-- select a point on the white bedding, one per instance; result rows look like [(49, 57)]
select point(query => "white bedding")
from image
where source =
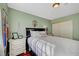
[(41, 47), (64, 46)]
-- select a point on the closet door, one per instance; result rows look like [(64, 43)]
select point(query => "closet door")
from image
[(1, 37), (66, 29), (4, 29), (63, 29), (56, 29)]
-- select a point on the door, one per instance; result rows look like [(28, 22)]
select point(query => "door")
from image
[(63, 29), (1, 37)]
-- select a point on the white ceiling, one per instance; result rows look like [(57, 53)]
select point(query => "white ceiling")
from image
[(45, 10)]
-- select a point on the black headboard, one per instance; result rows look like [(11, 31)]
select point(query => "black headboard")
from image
[(33, 29)]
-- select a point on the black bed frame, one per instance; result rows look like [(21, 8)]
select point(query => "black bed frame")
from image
[(29, 35)]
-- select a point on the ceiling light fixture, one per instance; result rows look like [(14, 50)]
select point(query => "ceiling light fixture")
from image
[(55, 5)]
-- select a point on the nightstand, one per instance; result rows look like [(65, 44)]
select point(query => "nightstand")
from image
[(17, 46)]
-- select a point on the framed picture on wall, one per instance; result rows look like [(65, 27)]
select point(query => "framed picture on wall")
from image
[(15, 35), (34, 23), (20, 36)]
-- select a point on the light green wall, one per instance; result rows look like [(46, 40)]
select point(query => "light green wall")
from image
[(3, 5), (76, 27), (18, 21), (75, 18)]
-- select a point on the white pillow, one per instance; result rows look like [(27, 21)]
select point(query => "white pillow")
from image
[(35, 33), (42, 32), (38, 33)]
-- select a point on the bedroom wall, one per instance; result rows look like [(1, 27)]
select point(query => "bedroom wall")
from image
[(18, 21), (75, 19)]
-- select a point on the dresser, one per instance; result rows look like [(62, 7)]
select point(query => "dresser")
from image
[(17, 46)]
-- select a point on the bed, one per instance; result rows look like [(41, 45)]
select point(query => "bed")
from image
[(38, 46), (53, 46)]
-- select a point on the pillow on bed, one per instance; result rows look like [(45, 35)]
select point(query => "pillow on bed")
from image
[(42, 33), (38, 33), (34, 33)]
